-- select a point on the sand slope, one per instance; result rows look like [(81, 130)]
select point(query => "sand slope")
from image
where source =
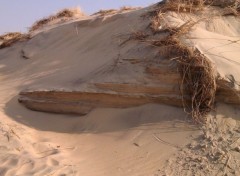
[(108, 141)]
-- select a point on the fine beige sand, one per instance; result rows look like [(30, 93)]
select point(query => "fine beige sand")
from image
[(149, 139)]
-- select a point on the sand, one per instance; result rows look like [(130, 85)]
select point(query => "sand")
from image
[(151, 139)]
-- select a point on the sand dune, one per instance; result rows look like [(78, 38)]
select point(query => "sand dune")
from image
[(109, 102)]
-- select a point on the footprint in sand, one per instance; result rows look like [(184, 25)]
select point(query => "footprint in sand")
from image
[(11, 162), (52, 162)]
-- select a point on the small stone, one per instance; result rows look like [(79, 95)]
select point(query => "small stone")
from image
[(237, 149)]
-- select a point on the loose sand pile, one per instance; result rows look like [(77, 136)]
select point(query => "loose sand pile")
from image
[(125, 54)]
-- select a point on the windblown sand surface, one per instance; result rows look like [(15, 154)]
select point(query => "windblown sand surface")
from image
[(139, 137)]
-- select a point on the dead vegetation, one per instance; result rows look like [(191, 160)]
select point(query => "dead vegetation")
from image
[(183, 6), (11, 38), (198, 75), (106, 12), (63, 14), (230, 11), (115, 11), (229, 7), (128, 8)]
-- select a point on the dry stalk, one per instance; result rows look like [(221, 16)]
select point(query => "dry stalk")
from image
[(115, 11), (200, 82), (135, 35)]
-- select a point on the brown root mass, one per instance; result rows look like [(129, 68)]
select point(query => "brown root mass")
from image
[(198, 75)]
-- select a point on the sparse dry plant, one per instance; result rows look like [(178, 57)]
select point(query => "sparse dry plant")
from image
[(128, 8), (198, 75), (11, 38), (106, 12), (63, 14), (187, 6), (199, 78), (115, 11), (135, 35), (198, 84), (229, 7), (230, 11), (68, 13), (198, 81)]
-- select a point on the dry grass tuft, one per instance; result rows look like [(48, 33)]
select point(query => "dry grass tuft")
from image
[(136, 35), (230, 11), (115, 11), (63, 14), (106, 12), (230, 7), (128, 8), (198, 75), (199, 79), (222, 3), (11, 38), (68, 13), (184, 6)]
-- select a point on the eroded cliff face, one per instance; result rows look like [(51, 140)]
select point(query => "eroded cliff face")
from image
[(90, 67), (162, 86), (158, 83)]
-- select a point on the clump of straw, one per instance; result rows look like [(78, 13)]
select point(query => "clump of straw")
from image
[(10, 38)]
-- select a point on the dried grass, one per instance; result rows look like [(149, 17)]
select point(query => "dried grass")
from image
[(11, 38), (135, 35), (222, 3), (115, 11), (128, 8), (198, 78), (106, 12), (64, 14), (184, 6), (230, 11), (198, 75), (229, 7)]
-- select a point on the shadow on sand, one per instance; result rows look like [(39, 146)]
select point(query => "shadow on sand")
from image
[(160, 117)]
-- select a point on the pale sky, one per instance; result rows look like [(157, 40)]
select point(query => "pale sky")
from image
[(18, 15)]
